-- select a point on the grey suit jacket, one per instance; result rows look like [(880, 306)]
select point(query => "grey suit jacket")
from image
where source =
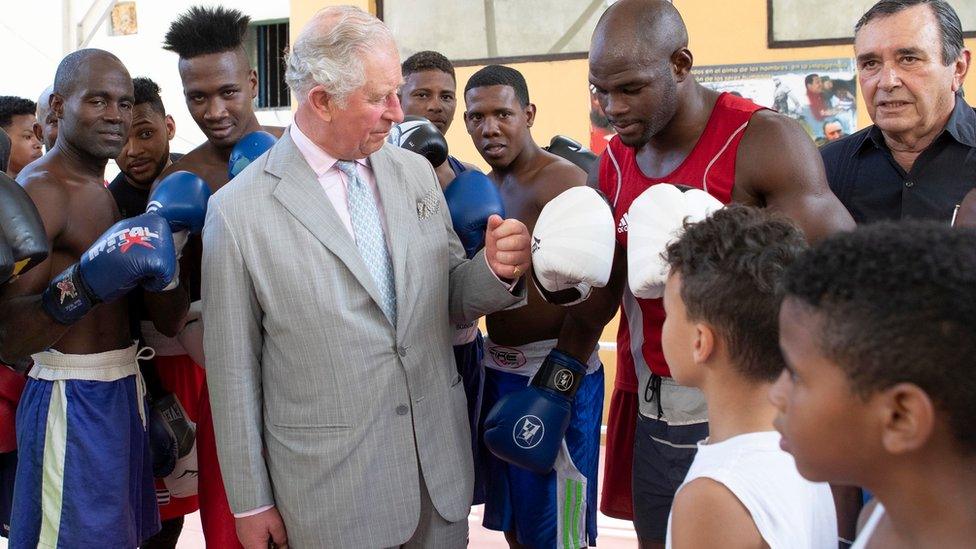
[(317, 398)]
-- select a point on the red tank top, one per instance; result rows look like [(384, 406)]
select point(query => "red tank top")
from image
[(710, 166)]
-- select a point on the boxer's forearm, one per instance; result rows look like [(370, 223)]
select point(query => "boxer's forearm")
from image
[(585, 321), (168, 309)]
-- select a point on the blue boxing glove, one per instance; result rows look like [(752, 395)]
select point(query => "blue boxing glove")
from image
[(181, 199), (526, 428), (134, 251), (247, 150), (472, 199)]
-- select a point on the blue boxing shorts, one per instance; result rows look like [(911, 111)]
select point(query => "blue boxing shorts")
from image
[(557, 510), (469, 348), (84, 476)]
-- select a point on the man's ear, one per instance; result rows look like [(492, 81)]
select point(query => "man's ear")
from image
[(57, 105), (252, 81), (961, 68), (38, 131), (908, 419), (170, 128), (530, 114), (705, 342), (322, 103), (682, 60)]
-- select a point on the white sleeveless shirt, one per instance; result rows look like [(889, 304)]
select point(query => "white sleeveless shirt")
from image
[(788, 510)]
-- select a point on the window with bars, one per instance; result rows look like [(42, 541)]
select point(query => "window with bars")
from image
[(266, 43)]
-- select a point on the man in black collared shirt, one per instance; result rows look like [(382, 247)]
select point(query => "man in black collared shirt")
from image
[(918, 160)]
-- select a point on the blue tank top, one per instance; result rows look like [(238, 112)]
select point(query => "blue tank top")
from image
[(456, 165)]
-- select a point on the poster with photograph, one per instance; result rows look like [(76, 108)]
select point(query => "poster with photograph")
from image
[(819, 94)]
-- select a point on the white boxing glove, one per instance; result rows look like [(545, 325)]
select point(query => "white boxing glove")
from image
[(656, 219), (191, 335), (572, 246)]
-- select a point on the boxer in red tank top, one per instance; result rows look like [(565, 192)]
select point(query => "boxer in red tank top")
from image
[(671, 129)]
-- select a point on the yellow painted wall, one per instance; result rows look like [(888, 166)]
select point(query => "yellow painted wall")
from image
[(727, 32)]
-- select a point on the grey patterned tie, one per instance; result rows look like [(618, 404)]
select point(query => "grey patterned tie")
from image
[(368, 228)]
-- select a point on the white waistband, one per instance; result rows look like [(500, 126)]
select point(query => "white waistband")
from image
[(679, 405), (526, 359), (162, 345), (107, 366), (465, 333)]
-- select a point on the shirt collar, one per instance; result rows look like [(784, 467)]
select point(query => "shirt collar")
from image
[(961, 126), (319, 160), (962, 123)]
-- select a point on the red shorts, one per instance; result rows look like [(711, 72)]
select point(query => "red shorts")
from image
[(11, 386), (616, 499), (182, 377)]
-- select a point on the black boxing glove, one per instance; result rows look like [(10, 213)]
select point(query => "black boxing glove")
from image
[(24, 242), (419, 135), (572, 151)]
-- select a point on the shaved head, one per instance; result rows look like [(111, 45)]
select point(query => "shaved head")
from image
[(640, 31), (639, 66), (70, 68)]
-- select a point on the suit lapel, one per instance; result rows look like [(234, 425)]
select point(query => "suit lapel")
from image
[(392, 185), (300, 193)]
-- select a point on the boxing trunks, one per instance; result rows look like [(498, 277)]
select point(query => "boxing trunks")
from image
[(84, 477), (641, 367), (558, 509)]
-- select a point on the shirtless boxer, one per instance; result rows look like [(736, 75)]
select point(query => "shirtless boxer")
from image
[(533, 509), (83, 475), (672, 129), (219, 87)]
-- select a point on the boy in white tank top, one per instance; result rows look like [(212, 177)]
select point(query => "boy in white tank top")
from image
[(878, 329), (721, 300)]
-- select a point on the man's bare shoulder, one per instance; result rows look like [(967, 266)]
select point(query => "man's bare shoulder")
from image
[(776, 154), (45, 178), (555, 177), (204, 161), (201, 156), (771, 131)]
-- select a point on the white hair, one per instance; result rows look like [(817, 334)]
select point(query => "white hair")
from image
[(44, 103), (329, 51)]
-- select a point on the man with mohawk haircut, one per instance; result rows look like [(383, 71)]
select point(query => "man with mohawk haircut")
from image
[(219, 86)]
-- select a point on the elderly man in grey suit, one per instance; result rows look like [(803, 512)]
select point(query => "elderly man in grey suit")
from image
[(332, 279)]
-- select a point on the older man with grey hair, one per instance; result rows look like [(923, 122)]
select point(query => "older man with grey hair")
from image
[(46, 125), (331, 281), (918, 159)]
